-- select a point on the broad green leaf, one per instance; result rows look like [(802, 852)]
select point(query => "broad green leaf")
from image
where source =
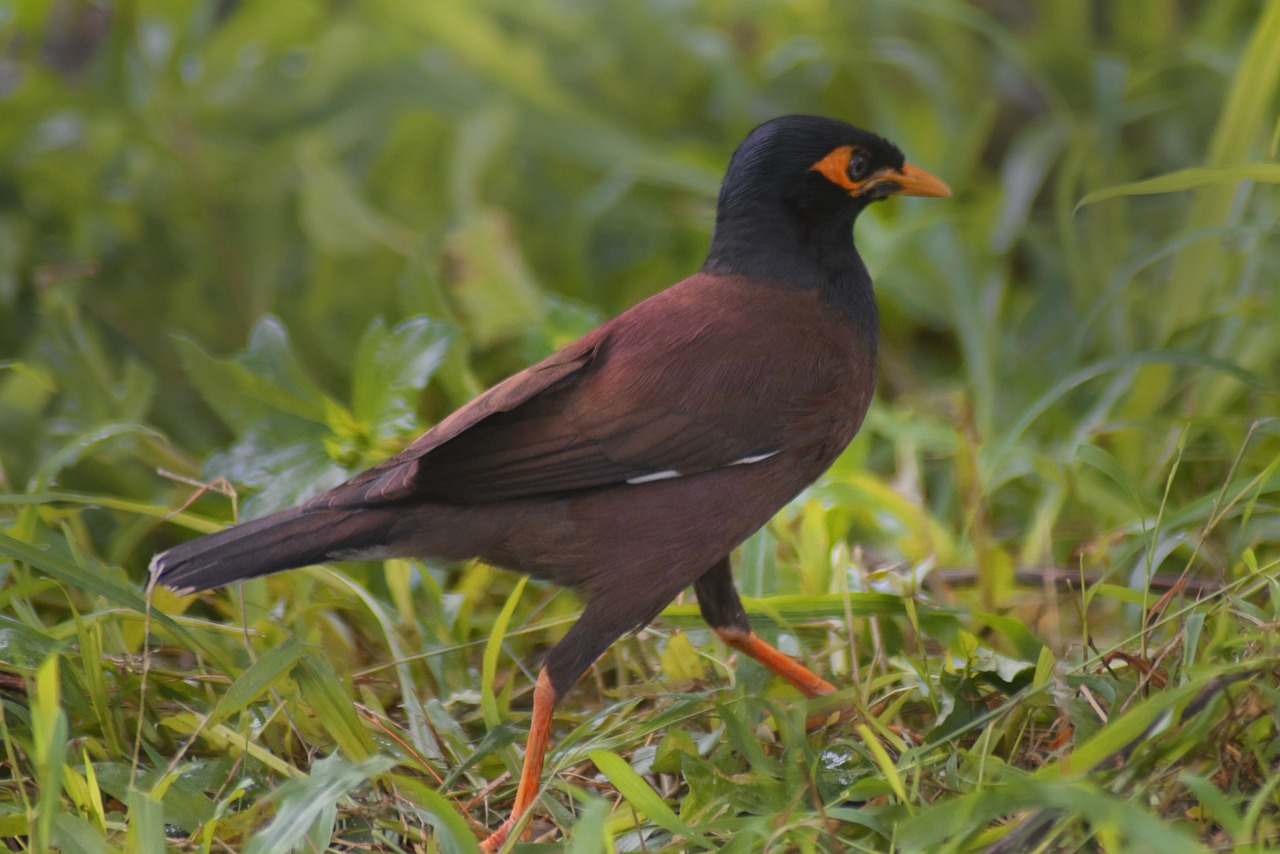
[(266, 379), (956, 819), (392, 366), (680, 661), (1026, 645), (146, 824), (74, 835)]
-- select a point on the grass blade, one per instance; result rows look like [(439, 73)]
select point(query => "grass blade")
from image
[(640, 795)]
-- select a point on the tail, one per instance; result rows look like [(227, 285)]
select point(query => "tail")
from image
[(284, 540)]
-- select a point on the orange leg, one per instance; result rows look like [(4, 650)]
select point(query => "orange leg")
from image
[(544, 703), (809, 683)]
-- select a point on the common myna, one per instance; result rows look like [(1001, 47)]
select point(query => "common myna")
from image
[(629, 464)]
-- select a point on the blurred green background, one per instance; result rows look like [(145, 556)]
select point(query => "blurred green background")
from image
[(270, 242)]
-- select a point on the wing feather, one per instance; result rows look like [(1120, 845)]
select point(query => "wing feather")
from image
[(673, 385)]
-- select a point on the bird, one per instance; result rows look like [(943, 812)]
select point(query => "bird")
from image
[(629, 464)]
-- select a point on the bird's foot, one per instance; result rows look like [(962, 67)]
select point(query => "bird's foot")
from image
[(498, 838)]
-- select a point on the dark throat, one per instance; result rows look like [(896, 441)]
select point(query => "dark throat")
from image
[(796, 252)]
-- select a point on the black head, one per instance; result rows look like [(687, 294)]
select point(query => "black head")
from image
[(791, 194)]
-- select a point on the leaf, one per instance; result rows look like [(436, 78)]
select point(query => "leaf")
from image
[(335, 214), (1188, 179), (49, 740), (259, 678), (957, 818), (591, 831), (675, 745), (1104, 462), (1120, 733), (93, 582), (285, 459), (73, 835), (266, 379), (391, 367), (227, 740), (1032, 154), (21, 646), (146, 824), (72, 451), (642, 797), (680, 661), (496, 293), (455, 834), (740, 736), (492, 647), (992, 462), (1027, 646), (308, 809), (332, 705), (888, 769)]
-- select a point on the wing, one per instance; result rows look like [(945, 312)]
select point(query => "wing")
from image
[(672, 387)]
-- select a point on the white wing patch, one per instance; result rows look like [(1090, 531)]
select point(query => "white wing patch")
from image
[(756, 458), (668, 474), (650, 478)]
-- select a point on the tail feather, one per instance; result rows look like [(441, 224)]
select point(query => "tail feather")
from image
[(284, 540)]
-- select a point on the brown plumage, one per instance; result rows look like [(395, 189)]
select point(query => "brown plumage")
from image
[(629, 464)]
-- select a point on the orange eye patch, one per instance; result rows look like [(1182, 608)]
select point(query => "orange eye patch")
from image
[(835, 168)]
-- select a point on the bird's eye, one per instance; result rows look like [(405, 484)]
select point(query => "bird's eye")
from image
[(858, 166)]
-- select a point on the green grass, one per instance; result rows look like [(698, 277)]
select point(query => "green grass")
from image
[(259, 246)]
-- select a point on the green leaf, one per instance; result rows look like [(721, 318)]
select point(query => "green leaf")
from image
[(1215, 805), (22, 647), (455, 834), (591, 831), (259, 678), (1027, 646), (1119, 733), (72, 451), (266, 379), (146, 824), (391, 367), (335, 214), (322, 689), (642, 797), (496, 293), (308, 809), (956, 819), (285, 459), (675, 745), (49, 740), (680, 661), (89, 581), (1188, 179), (74, 835), (492, 648)]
